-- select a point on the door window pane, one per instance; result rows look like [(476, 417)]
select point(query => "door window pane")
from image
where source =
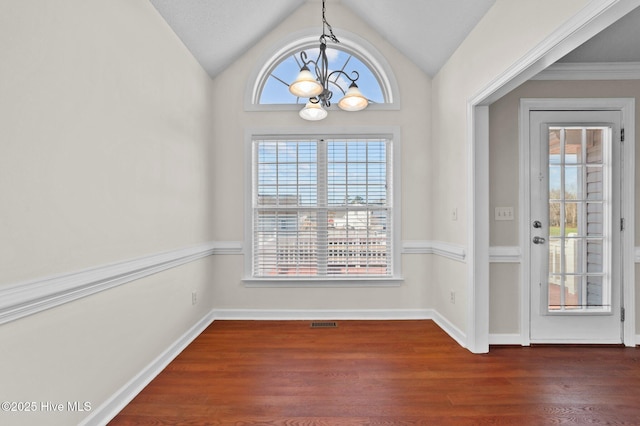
[(577, 238)]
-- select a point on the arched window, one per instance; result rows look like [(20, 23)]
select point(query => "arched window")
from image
[(275, 87), (268, 87)]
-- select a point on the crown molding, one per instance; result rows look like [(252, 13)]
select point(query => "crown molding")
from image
[(590, 71)]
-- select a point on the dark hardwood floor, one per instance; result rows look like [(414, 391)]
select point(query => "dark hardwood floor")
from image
[(383, 373)]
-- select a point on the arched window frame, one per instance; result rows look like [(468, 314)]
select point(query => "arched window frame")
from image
[(309, 38)]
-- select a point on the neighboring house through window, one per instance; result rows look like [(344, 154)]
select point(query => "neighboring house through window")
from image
[(322, 208)]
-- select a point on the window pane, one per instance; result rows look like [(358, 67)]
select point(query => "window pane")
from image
[(573, 146), (285, 244), (577, 219), (594, 145), (595, 218), (276, 86), (572, 182), (358, 243), (357, 151), (594, 256), (554, 146), (571, 214), (595, 290), (555, 182), (337, 152), (594, 183), (314, 219)]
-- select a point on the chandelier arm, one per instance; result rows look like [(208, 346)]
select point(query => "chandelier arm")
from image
[(340, 72), (303, 58), (306, 62), (323, 77)]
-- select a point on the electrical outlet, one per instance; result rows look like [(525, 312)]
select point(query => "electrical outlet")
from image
[(194, 297), (452, 297)]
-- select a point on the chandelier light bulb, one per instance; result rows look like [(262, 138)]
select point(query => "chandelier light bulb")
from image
[(313, 112), (353, 100), (306, 85)]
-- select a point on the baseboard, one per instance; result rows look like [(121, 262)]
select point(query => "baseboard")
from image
[(110, 408), (448, 327), (339, 314), (505, 339), (23, 299), (320, 314)]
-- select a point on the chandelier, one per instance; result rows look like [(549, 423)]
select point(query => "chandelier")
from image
[(316, 88)]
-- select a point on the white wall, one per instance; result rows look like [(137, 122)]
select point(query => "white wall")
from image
[(230, 122), (105, 140), (504, 181), (505, 34)]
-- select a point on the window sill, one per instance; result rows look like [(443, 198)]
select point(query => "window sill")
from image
[(297, 107), (324, 282)]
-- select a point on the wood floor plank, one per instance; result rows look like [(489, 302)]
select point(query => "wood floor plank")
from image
[(383, 373)]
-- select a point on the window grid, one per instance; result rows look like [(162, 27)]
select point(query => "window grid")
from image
[(322, 208), (275, 89), (577, 209)]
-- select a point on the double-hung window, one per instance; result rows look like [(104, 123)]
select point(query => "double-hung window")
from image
[(322, 208)]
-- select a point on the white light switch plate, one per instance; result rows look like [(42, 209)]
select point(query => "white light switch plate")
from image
[(504, 213)]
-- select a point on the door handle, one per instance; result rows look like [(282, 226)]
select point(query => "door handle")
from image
[(538, 240)]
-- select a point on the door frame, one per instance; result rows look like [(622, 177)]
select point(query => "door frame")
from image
[(626, 106), (589, 21)]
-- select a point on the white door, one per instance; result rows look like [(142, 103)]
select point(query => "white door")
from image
[(575, 229)]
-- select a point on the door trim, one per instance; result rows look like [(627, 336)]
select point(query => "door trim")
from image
[(627, 108), (589, 21)]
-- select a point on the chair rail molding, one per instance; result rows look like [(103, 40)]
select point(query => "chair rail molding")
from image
[(27, 298), (449, 250), (504, 254)]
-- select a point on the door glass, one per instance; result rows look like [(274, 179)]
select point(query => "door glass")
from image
[(578, 216)]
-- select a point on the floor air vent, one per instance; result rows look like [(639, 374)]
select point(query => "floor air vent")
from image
[(324, 324)]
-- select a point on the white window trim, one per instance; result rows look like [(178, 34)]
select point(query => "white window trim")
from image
[(390, 132), (349, 42)]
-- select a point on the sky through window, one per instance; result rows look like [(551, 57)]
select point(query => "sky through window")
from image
[(276, 88)]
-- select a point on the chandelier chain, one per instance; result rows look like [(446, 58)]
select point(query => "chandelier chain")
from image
[(325, 24)]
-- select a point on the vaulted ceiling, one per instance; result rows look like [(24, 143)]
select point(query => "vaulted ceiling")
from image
[(218, 31), (618, 43)]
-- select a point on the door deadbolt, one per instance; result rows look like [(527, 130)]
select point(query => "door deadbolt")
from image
[(537, 224)]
